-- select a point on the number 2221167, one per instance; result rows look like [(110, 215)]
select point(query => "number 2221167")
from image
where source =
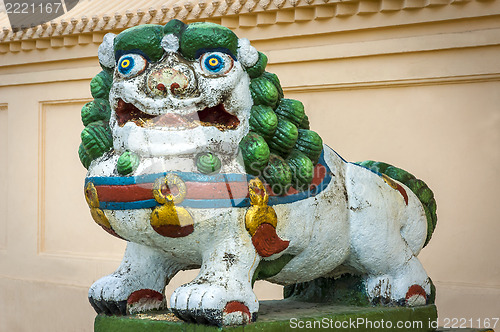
[(454, 323), (31, 8)]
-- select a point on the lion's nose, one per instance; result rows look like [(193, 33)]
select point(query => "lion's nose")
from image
[(164, 80), (174, 87)]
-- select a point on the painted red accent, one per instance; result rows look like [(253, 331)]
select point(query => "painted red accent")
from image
[(130, 193), (416, 290), (237, 189), (174, 86), (218, 115), (267, 242), (128, 112), (207, 190), (112, 232), (144, 294), (161, 87), (403, 193), (174, 230), (229, 191), (195, 190), (319, 174), (236, 306)]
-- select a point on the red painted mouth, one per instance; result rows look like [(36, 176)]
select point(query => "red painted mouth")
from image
[(215, 116)]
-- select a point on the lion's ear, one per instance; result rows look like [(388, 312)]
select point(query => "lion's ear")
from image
[(106, 52), (247, 54)]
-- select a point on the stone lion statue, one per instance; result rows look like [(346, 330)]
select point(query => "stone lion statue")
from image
[(197, 160)]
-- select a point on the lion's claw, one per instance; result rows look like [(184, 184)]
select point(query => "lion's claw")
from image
[(207, 304), (109, 307)]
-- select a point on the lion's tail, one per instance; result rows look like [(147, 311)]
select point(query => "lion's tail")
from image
[(419, 188)]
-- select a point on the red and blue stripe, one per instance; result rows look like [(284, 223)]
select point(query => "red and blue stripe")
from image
[(203, 191)]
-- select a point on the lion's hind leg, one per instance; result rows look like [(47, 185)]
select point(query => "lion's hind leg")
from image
[(407, 284), (391, 272), (379, 217)]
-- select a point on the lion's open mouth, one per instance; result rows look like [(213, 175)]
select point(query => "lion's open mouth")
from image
[(215, 116)]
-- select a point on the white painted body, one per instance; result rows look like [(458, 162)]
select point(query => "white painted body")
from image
[(358, 224)]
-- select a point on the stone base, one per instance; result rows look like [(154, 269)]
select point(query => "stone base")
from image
[(287, 315)]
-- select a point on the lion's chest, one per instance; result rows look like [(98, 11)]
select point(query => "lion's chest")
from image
[(158, 206), (183, 212)]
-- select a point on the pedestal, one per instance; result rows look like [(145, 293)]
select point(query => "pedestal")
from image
[(289, 315)]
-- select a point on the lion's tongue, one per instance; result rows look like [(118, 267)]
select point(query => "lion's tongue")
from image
[(170, 120)]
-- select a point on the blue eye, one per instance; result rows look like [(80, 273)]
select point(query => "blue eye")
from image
[(216, 64), (126, 64), (131, 64)]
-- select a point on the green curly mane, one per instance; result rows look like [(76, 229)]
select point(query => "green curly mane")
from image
[(279, 148), (96, 136)]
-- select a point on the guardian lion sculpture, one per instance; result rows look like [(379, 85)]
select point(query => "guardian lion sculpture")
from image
[(197, 160)]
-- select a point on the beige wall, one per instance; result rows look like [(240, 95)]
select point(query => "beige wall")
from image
[(419, 89)]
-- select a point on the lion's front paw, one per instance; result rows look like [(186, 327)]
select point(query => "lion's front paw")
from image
[(121, 295), (214, 304)]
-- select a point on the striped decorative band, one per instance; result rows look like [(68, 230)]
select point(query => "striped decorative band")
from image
[(203, 191)]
